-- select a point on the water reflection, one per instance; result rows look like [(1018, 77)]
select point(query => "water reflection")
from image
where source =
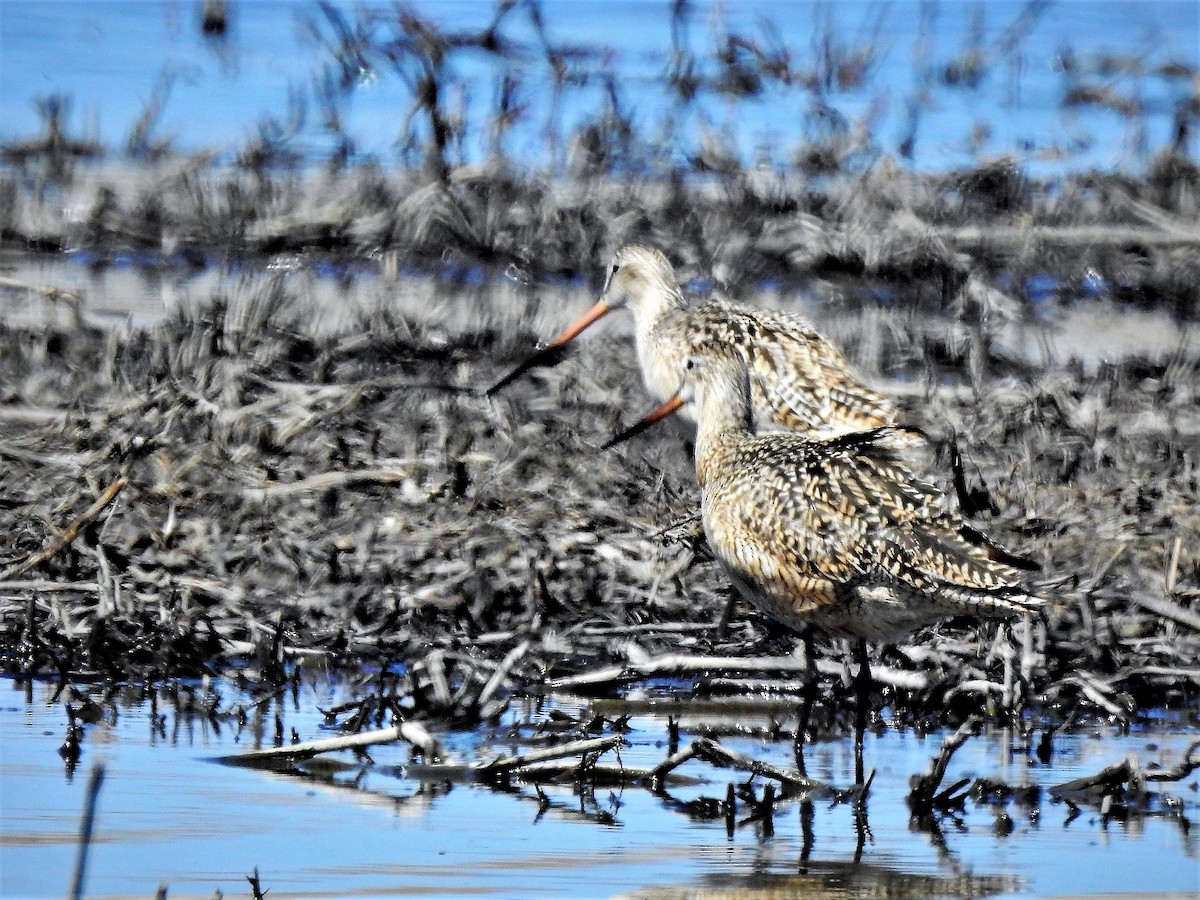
[(60, 292), (385, 826), (1088, 83), (827, 881)]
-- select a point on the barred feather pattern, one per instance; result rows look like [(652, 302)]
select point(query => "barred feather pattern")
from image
[(800, 381), (836, 532)]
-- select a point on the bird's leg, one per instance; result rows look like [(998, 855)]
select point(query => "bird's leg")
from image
[(808, 698), (862, 684), (727, 614)]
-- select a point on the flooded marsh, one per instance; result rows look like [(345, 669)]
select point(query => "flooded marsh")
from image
[(290, 605), (376, 826)]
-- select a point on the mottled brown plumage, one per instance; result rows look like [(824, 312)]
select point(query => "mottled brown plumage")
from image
[(799, 380), (839, 532)]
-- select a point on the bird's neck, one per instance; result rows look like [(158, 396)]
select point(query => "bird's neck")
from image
[(657, 319), (658, 305), (722, 421)]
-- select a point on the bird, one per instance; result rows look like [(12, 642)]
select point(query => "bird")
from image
[(800, 381), (837, 534)]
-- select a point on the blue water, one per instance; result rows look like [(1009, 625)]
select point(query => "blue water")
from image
[(108, 56), (168, 815)]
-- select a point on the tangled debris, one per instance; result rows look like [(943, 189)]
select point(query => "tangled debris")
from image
[(239, 486), (835, 197)]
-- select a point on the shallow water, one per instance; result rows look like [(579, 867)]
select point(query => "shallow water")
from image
[(169, 815), (134, 295), (110, 56)]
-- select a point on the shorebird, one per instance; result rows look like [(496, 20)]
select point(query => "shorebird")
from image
[(799, 381), (837, 534)]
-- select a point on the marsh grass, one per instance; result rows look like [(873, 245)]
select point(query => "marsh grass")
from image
[(836, 201), (296, 488)]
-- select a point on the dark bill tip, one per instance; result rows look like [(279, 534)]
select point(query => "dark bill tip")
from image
[(630, 432), (545, 357), (661, 412)]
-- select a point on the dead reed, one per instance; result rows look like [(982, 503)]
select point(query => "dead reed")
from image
[(239, 484), (836, 203)]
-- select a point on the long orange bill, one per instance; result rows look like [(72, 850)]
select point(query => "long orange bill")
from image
[(552, 353), (670, 405)]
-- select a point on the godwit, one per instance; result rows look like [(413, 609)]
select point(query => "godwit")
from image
[(799, 381), (838, 533)]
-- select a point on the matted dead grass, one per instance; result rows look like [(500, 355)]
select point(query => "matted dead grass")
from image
[(238, 488)]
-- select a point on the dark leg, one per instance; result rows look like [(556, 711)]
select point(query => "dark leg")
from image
[(809, 697), (807, 813), (727, 614), (862, 684)]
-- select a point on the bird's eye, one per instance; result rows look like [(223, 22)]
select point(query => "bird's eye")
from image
[(690, 365), (613, 271)]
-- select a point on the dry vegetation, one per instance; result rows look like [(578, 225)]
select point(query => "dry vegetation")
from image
[(353, 499)]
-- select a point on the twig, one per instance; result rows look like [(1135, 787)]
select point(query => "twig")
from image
[(1107, 778), (73, 300), (44, 586), (1155, 216), (644, 628), (435, 668), (1027, 653), (246, 648), (33, 415), (757, 687), (545, 772), (73, 461), (575, 748), (1098, 692), (1181, 771), (1098, 576), (1128, 770), (72, 531), (326, 481), (1065, 236), (256, 888), (410, 731), (763, 811), (714, 753), (536, 765), (672, 762), (1173, 565), (976, 686), (1168, 610), (502, 671), (415, 734), (921, 799), (1172, 674), (677, 664)]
